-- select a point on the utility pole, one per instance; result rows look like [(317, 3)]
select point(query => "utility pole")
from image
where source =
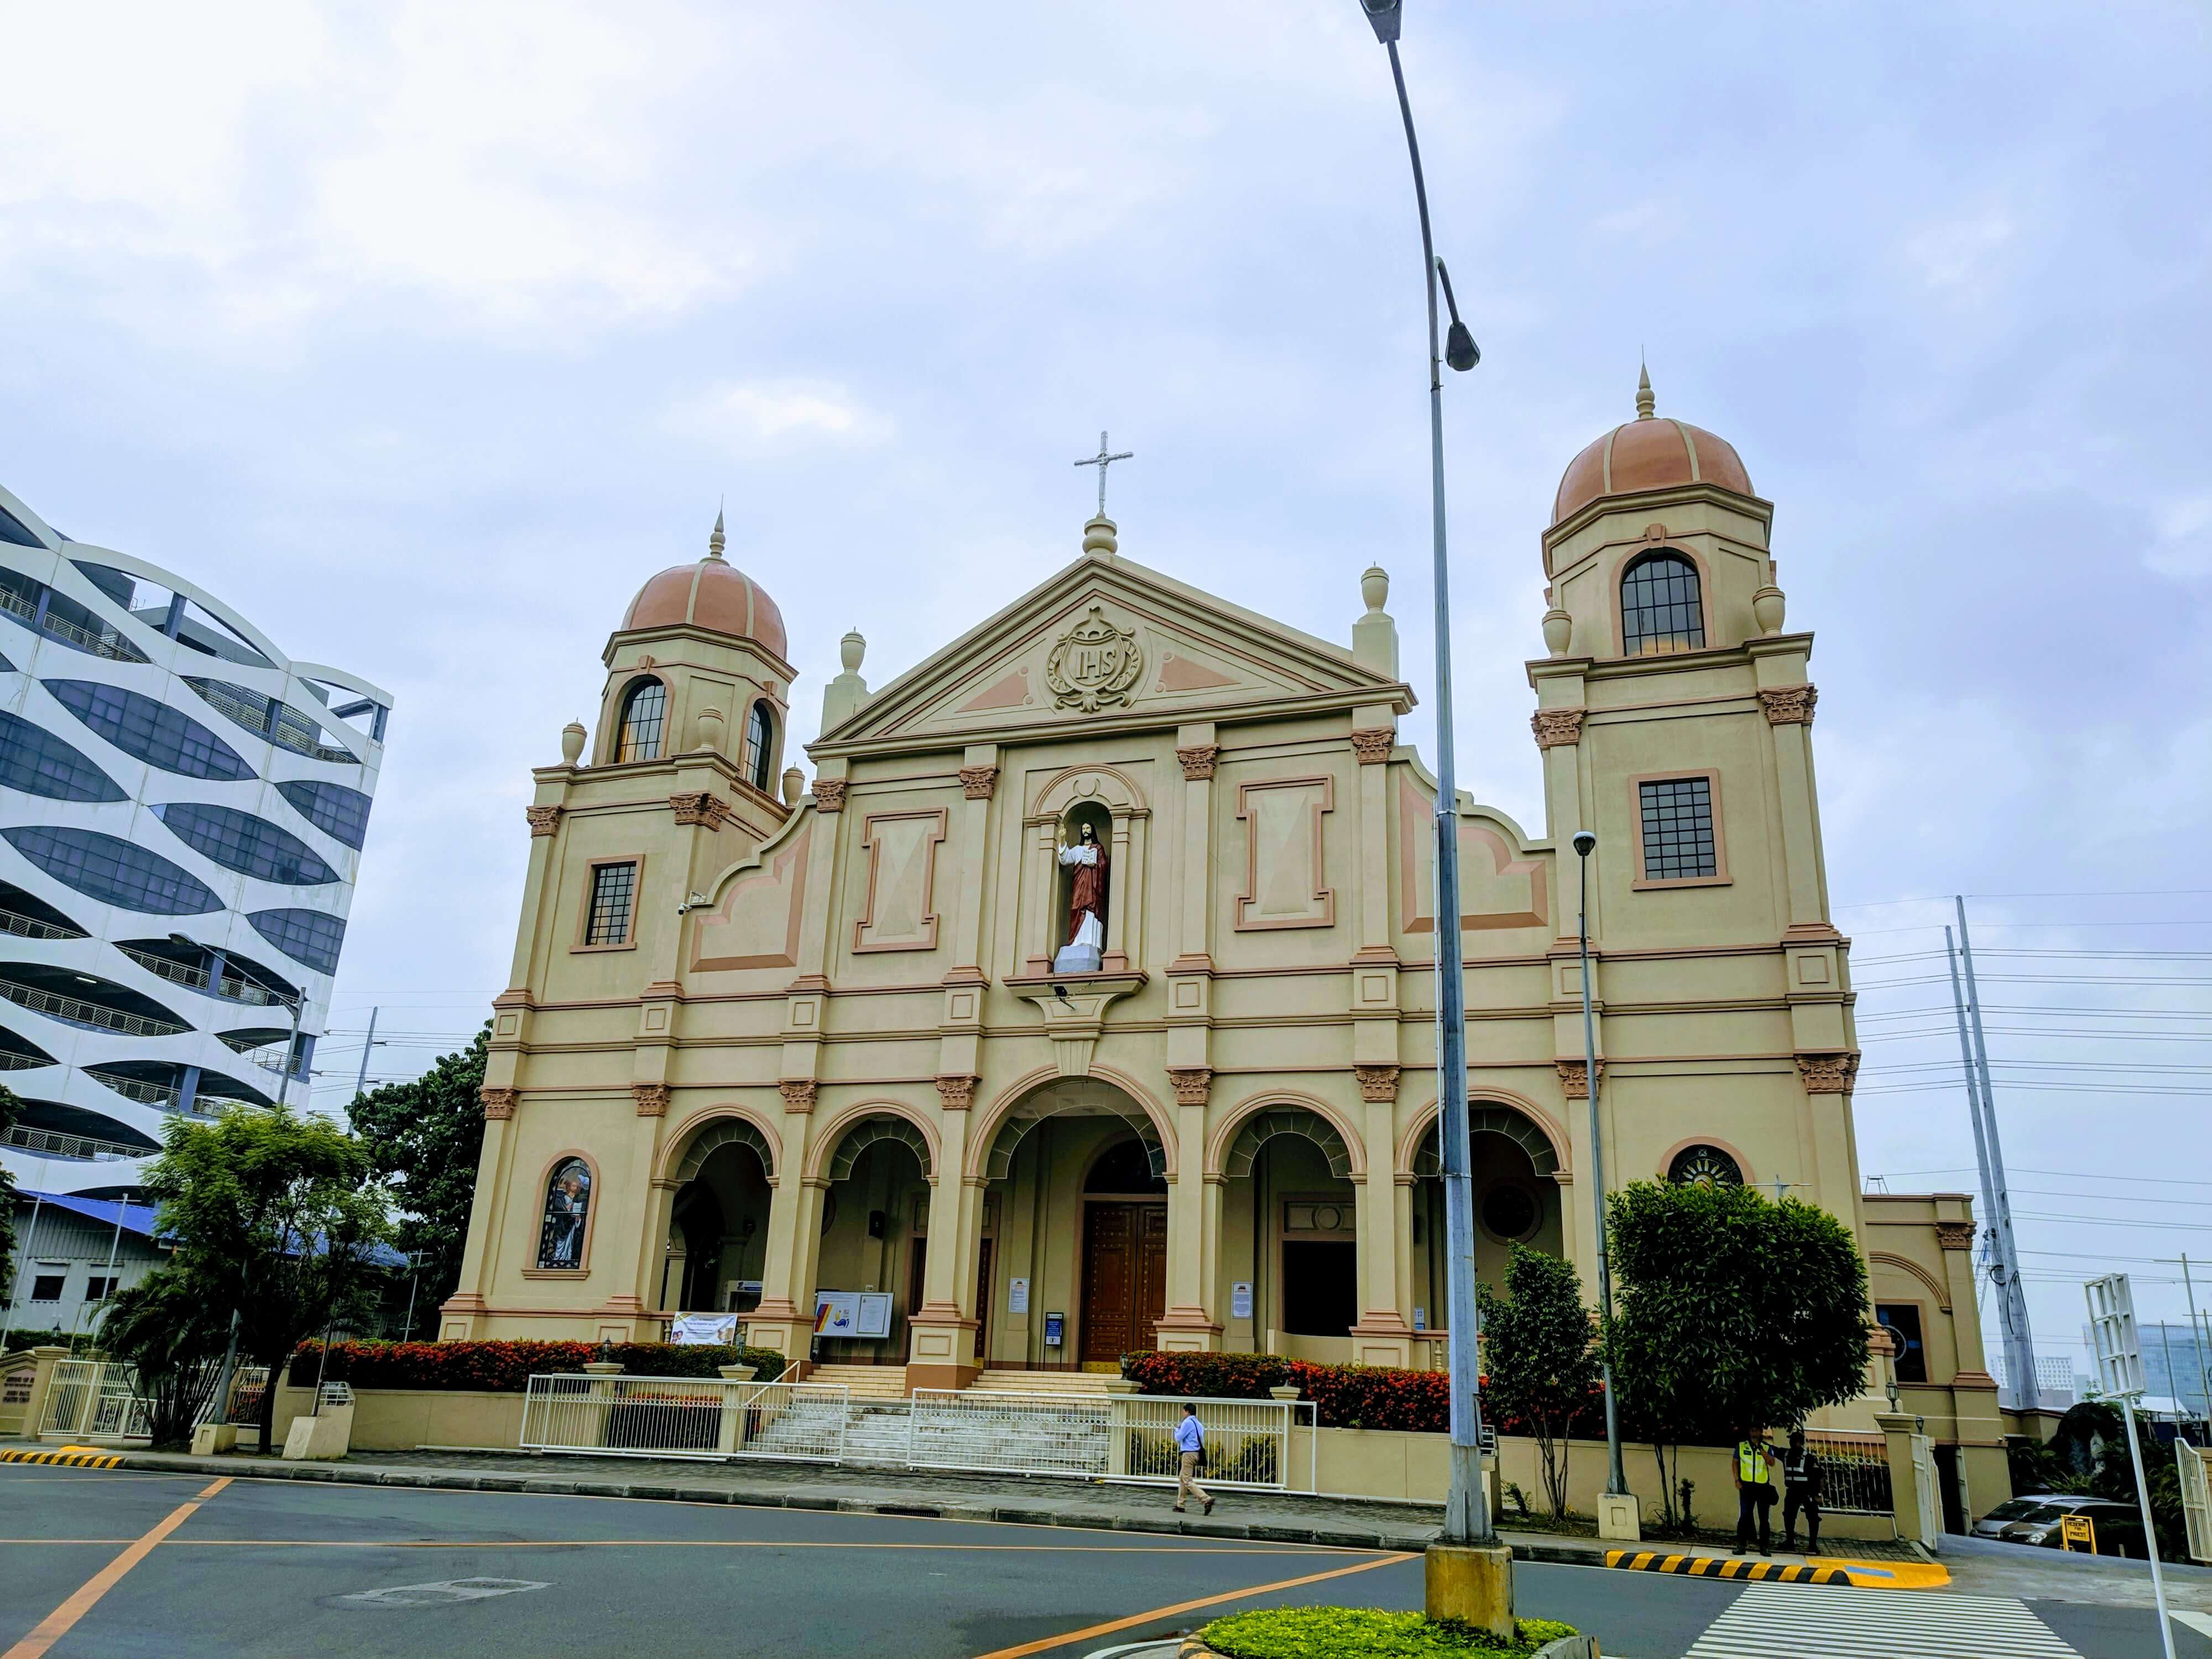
[(1999, 1272), (2025, 1391), (361, 1080)]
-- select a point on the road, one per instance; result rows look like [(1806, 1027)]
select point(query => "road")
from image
[(130, 1564)]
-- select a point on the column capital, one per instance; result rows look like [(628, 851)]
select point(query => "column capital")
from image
[(1377, 1083), (798, 1094), (1193, 1083), (955, 1092), (829, 794), (1573, 1078), (701, 807), (1198, 760), (1557, 728), (498, 1103), (1831, 1073), (977, 782), (652, 1098), (1789, 705), (1373, 745), (543, 820)]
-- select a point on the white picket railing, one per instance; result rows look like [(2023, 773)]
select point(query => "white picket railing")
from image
[(1128, 1437), (99, 1400), (2196, 1499), (684, 1417), (1248, 1442)]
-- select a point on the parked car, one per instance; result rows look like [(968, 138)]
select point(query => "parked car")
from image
[(2035, 1520)]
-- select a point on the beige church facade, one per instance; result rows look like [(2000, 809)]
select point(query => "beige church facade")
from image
[(770, 1036)]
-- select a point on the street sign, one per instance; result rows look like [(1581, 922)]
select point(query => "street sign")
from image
[(2113, 1333), (2077, 1531)]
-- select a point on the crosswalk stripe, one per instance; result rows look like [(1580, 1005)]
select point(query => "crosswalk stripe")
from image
[(1815, 1622)]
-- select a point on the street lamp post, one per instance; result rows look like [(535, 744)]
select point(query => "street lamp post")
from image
[(1616, 1479), (1468, 1576)]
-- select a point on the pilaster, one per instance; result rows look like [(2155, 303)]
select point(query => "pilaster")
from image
[(1194, 1236), (1383, 1335), (1197, 753)]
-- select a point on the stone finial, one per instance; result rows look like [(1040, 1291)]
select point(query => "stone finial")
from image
[(572, 742), (1375, 636), (851, 649), (1646, 404), (1099, 537), (1769, 607), (716, 541), (1375, 586), (1559, 631), (794, 785), (710, 730)]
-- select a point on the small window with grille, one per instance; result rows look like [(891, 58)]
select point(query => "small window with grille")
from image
[(614, 899), (1661, 609), (760, 747), (644, 711), (1677, 826)]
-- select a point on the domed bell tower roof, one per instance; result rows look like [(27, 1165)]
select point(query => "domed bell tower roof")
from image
[(712, 594), (1649, 452)]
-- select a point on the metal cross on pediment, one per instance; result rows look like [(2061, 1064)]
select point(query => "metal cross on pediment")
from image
[(1102, 461)]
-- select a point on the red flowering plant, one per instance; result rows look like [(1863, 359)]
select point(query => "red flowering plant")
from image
[(508, 1367)]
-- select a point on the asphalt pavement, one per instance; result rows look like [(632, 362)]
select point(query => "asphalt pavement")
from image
[(129, 1563)]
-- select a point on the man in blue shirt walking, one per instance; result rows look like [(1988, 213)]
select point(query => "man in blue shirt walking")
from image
[(1190, 1443)]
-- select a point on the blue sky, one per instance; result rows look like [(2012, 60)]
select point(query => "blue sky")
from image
[(424, 333)]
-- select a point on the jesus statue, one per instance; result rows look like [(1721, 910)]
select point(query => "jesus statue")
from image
[(1086, 906)]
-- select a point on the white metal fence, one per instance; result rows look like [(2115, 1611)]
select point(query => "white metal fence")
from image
[(1854, 1471), (1008, 1433), (2196, 1499), (99, 1400), (1248, 1442), (685, 1417)]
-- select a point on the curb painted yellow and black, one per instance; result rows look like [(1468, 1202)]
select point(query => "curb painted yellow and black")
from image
[(75, 1457), (1720, 1566)]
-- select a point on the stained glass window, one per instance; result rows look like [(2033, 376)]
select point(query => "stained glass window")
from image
[(567, 1205), (1678, 830), (645, 709), (1660, 610), (1703, 1166)]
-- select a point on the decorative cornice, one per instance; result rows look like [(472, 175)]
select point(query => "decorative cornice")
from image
[(798, 1094), (1789, 705), (702, 806), (1373, 743), (543, 820), (1956, 1235), (1198, 760), (1556, 728), (956, 1090), (977, 782), (1829, 1074), (829, 794), (652, 1098), (498, 1103), (1192, 1083), (1573, 1078), (1377, 1083)]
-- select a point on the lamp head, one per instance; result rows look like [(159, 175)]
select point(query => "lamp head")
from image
[(1585, 843), (1383, 16), (1460, 348)]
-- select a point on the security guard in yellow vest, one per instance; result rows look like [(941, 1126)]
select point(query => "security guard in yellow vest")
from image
[(1754, 1495)]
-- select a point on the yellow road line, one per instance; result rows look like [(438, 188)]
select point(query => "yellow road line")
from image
[(58, 1623), (696, 1544), (1111, 1626)]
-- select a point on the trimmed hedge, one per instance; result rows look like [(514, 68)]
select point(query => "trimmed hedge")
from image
[(1344, 1396), (1365, 1634), (508, 1367)]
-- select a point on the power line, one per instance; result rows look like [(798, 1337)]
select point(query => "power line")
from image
[(2100, 893)]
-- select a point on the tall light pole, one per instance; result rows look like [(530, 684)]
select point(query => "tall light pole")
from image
[(1468, 1578), (1616, 1478)]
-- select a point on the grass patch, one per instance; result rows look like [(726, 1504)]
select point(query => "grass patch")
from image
[(1364, 1633)]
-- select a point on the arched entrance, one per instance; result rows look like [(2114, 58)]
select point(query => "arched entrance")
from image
[(1075, 1216), (875, 1230), (718, 1222), (1290, 1231), (1512, 1163)]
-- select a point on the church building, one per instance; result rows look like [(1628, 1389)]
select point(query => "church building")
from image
[(1082, 999)]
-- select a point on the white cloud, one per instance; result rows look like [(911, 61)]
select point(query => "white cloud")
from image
[(767, 412)]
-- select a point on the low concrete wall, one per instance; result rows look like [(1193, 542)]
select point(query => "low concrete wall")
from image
[(400, 1420)]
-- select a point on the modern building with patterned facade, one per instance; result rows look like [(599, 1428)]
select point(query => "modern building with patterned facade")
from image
[(1083, 1001), (182, 809)]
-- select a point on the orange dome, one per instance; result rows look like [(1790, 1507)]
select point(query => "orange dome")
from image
[(712, 594), (1648, 453)]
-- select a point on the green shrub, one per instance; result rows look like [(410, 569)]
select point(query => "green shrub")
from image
[(507, 1367), (1363, 1633)]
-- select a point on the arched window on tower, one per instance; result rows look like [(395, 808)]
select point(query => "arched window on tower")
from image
[(760, 747), (1661, 609), (567, 1209), (1703, 1166), (644, 712)]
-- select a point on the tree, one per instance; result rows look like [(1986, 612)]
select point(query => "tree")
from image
[(276, 1218), (424, 1137), (1733, 1313), (168, 1331), (1539, 1365)]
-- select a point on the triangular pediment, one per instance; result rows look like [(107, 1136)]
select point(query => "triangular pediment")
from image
[(1108, 641)]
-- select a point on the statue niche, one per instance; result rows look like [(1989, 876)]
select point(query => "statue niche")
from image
[(1086, 873)]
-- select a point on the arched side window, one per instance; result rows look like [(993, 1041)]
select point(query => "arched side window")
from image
[(1661, 607), (1703, 1166), (760, 745), (644, 712), (568, 1208)]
